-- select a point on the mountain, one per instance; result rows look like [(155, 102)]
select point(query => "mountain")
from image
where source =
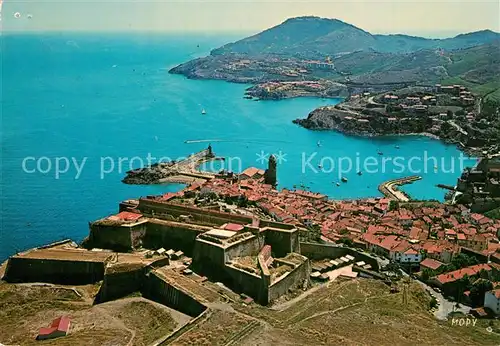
[(351, 56), (303, 36), (316, 37)]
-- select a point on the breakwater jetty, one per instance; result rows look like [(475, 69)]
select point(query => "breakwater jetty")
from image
[(390, 190), (184, 171)]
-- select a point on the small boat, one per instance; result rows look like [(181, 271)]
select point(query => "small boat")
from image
[(397, 147), (318, 144), (360, 173), (338, 184), (380, 153), (203, 111), (320, 166), (344, 179)]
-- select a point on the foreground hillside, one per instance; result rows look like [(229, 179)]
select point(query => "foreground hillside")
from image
[(358, 312)]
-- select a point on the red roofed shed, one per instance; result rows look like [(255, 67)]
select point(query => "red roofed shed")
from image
[(58, 328)]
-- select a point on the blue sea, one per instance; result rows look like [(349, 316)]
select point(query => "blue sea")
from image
[(95, 106)]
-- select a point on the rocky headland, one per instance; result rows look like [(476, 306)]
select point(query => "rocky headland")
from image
[(328, 58), (432, 112)]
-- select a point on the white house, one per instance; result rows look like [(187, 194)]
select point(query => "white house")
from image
[(492, 300), (411, 256)]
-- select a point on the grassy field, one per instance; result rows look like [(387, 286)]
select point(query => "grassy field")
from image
[(343, 312), (494, 214), (26, 308), (217, 329), (493, 96), (362, 312)]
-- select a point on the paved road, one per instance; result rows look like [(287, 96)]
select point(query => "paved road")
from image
[(445, 306), (455, 125)]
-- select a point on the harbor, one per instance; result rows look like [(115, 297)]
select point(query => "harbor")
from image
[(183, 172), (390, 188)]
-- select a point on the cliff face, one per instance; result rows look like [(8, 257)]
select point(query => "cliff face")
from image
[(323, 118), (332, 118)]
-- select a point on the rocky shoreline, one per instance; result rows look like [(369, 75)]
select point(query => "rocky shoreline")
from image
[(334, 119), (183, 172), (286, 90)]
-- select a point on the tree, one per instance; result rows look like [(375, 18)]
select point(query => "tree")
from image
[(348, 242), (462, 261), (483, 274), (477, 291), (433, 303), (392, 267), (461, 285), (427, 274)]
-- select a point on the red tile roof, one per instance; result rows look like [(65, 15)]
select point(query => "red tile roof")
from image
[(411, 251), (431, 263), (60, 324), (458, 274), (127, 216), (233, 227), (251, 171)]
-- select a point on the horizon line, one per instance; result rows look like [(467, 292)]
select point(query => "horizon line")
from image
[(431, 35)]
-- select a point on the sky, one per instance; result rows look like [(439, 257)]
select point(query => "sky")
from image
[(425, 18)]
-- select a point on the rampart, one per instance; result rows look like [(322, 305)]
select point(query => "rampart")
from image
[(321, 251), (292, 280), (171, 295), (172, 235), (245, 247), (116, 236), (53, 270), (248, 283), (282, 241), (119, 282), (159, 209)]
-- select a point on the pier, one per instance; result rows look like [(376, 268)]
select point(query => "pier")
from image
[(390, 190), (184, 171), (446, 187)]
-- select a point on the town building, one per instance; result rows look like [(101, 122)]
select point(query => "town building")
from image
[(492, 301)]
